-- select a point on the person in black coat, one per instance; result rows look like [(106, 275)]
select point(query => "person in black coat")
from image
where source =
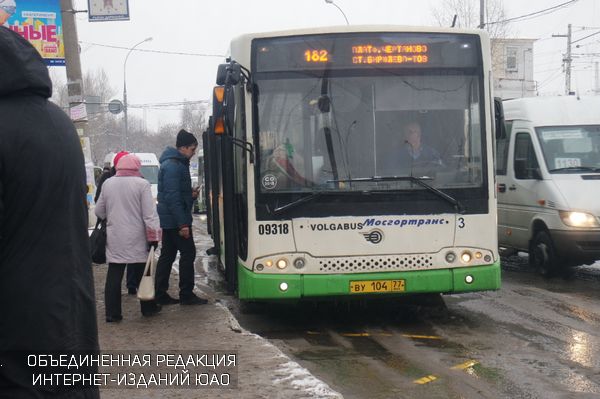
[(47, 301)]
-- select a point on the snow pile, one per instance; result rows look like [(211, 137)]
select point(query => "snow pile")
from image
[(301, 379)]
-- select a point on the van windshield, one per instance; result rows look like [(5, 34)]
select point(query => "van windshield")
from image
[(150, 173), (570, 149)]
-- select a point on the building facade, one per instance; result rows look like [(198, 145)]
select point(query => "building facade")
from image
[(512, 68)]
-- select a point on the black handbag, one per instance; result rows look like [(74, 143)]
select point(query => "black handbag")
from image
[(98, 242)]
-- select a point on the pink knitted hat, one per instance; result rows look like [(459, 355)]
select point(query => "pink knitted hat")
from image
[(129, 165)]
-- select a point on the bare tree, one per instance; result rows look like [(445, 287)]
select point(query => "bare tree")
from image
[(60, 96), (103, 127), (193, 117), (467, 12), (468, 17), (106, 130)]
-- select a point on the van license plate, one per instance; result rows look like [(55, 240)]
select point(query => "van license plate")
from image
[(368, 286)]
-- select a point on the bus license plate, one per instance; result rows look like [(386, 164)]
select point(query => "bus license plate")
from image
[(368, 286)]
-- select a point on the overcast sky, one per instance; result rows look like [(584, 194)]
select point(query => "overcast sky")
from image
[(207, 26)]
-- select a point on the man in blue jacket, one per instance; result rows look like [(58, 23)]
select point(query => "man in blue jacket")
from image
[(175, 201)]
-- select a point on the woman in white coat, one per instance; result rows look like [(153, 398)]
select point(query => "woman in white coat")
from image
[(132, 226)]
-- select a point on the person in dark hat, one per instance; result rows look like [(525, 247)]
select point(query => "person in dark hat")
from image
[(175, 201)]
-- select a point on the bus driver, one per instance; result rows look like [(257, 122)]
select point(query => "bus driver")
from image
[(414, 152)]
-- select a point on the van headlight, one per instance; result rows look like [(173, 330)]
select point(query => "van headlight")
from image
[(578, 219)]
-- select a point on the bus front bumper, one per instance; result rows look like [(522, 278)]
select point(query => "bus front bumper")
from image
[(253, 286)]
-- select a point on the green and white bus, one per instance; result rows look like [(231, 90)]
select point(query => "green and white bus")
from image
[(315, 188)]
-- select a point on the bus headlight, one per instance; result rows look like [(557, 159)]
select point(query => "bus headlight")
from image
[(578, 219), (450, 257), (283, 287), (282, 263), (466, 257)]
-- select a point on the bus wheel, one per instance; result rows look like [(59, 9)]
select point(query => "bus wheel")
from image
[(542, 254)]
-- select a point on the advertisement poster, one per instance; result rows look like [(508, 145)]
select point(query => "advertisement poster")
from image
[(108, 10), (38, 21)]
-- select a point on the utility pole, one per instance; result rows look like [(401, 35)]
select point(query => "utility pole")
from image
[(72, 61), (567, 60), (76, 94), (481, 14)]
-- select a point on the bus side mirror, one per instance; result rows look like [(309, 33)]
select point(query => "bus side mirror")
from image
[(234, 73), (500, 128), (229, 74), (222, 74)]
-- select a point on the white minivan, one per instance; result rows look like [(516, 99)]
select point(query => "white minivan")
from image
[(150, 166), (548, 176)]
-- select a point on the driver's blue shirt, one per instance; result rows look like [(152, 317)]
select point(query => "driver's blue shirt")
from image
[(401, 161), (423, 154)]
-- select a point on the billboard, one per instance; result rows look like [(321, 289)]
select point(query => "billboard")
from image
[(38, 21), (108, 10)]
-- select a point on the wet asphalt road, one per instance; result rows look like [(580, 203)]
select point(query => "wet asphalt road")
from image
[(534, 338)]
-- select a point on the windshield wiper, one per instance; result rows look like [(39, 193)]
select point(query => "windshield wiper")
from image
[(585, 168), (419, 180), (297, 202)]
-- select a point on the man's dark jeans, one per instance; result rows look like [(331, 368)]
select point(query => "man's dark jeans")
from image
[(171, 243)]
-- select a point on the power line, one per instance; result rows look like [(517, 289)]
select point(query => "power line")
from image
[(551, 78), (177, 104), (155, 51), (536, 13), (585, 37)]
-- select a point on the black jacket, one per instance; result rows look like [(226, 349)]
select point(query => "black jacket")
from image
[(103, 177), (46, 284)]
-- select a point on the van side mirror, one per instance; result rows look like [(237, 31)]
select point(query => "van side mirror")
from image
[(500, 128)]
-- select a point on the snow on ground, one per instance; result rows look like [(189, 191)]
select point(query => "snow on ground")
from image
[(289, 372), (301, 379)]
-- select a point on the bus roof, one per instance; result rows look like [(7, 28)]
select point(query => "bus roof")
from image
[(554, 111), (358, 29)]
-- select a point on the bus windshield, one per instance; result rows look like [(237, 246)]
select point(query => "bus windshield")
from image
[(334, 128), (570, 149)]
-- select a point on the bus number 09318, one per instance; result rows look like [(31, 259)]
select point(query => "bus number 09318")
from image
[(273, 228)]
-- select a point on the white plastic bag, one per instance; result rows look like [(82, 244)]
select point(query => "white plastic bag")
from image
[(146, 289)]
